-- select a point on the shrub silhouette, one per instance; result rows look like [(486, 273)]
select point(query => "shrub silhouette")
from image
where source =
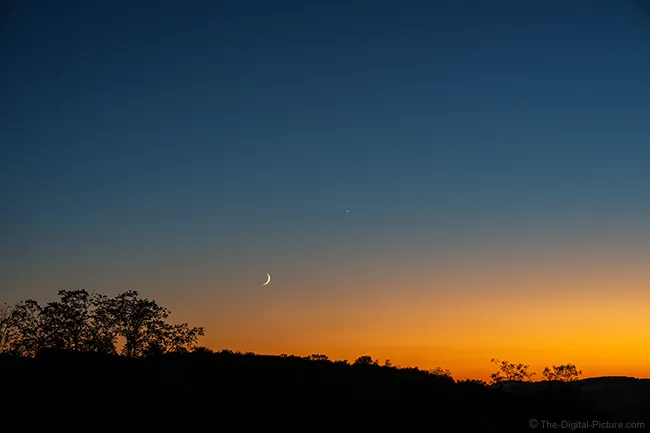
[(317, 357), (203, 350), (440, 372), (562, 373), (472, 382), (365, 360)]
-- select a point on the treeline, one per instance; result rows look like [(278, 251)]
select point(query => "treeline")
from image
[(511, 372), (90, 322), (60, 372), (203, 390)]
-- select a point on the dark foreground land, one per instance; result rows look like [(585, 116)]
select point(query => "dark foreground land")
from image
[(233, 392)]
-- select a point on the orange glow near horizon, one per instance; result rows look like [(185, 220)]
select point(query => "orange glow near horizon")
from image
[(587, 314), (452, 308)]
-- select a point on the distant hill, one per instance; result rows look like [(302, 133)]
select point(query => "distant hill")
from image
[(247, 392), (625, 398)]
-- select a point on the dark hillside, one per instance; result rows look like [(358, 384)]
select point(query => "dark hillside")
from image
[(174, 392)]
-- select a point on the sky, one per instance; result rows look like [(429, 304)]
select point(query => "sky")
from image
[(434, 183)]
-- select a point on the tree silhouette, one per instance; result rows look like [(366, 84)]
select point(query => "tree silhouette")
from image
[(74, 323), (562, 373), (103, 336), (509, 371), (83, 322), (142, 323), (6, 328), (25, 336)]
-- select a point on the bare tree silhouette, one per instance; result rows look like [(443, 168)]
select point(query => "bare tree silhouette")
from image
[(510, 372)]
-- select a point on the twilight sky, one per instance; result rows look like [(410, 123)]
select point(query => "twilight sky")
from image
[(494, 156)]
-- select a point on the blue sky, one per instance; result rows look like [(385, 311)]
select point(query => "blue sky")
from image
[(194, 138)]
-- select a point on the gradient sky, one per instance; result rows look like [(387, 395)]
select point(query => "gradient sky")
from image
[(494, 156)]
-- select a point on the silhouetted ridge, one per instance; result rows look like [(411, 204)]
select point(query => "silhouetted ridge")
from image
[(191, 390), (62, 369)]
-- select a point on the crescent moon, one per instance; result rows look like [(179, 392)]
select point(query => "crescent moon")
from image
[(268, 276)]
